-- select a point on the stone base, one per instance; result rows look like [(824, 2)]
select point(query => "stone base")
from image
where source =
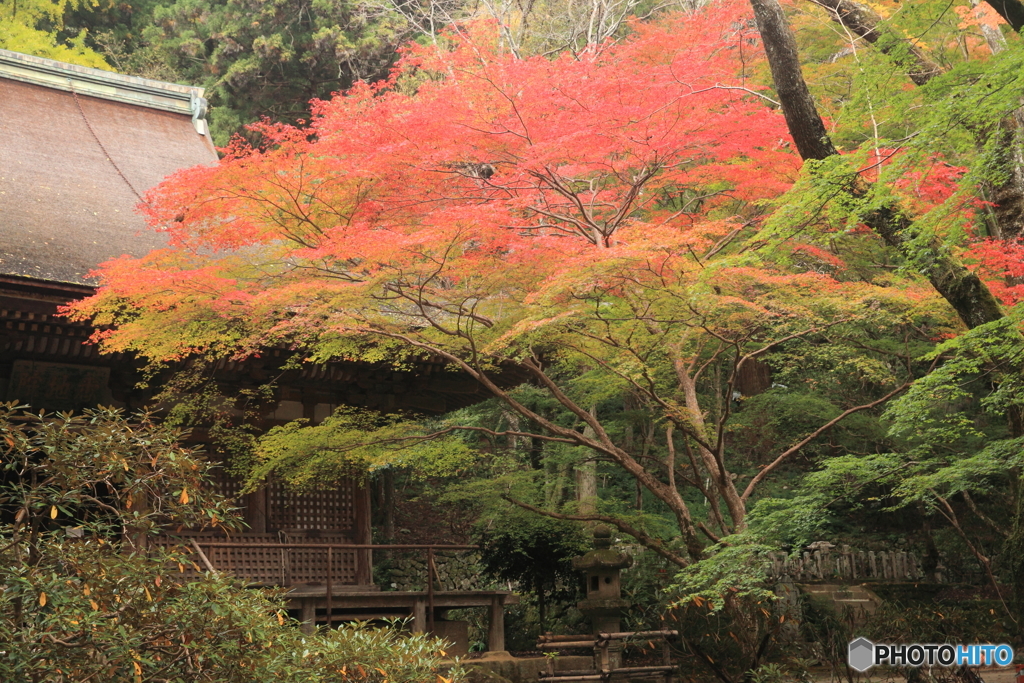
[(859, 601), (456, 633), (499, 667)]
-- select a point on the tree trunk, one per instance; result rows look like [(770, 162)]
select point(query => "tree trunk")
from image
[(586, 478), (721, 479), (1007, 197), (964, 291), (541, 605), (865, 23), (1013, 549), (805, 125), (1010, 10), (586, 487), (388, 503)]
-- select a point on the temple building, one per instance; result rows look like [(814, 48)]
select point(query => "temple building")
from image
[(79, 147)]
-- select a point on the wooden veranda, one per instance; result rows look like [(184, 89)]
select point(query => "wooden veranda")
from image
[(330, 582)]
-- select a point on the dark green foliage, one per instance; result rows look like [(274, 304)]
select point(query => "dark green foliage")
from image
[(255, 59), (269, 59), (526, 547), (830, 632), (727, 643), (534, 552)]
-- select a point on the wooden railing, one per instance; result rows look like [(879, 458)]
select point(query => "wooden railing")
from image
[(289, 564), (262, 559), (608, 666)]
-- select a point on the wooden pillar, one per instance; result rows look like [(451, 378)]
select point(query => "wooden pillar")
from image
[(419, 616), (256, 510), (496, 629), (362, 533), (308, 616), (133, 537)]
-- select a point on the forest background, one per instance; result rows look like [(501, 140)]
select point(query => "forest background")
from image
[(745, 325)]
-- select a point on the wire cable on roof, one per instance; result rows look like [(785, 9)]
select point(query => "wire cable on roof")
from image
[(71, 85)]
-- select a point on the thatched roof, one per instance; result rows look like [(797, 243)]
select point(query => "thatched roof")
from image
[(77, 148)]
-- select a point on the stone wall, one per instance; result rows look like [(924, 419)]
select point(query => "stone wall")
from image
[(407, 571)]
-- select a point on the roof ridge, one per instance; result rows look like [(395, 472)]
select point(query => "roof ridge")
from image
[(108, 85)]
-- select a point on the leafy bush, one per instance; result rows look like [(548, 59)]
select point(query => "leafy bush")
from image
[(83, 599)]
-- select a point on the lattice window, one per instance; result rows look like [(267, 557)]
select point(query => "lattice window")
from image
[(327, 510), (226, 484)]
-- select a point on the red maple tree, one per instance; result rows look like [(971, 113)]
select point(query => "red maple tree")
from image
[(596, 210)]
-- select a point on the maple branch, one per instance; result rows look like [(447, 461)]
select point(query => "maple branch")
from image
[(697, 372), (419, 438), (646, 540), (648, 391), (555, 184), (983, 517), (815, 434), (632, 194), (421, 302), (731, 382), (579, 227), (861, 485), (603, 444), (719, 86), (725, 241), (707, 532), (986, 563)]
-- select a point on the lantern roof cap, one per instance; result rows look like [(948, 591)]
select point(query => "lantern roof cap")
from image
[(602, 556)]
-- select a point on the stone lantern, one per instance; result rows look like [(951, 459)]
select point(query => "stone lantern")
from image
[(604, 605)]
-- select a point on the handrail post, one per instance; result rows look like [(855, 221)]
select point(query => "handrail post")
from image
[(330, 599), (284, 564), (430, 589)]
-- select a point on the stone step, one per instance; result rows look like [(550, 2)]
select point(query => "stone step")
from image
[(860, 600)]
